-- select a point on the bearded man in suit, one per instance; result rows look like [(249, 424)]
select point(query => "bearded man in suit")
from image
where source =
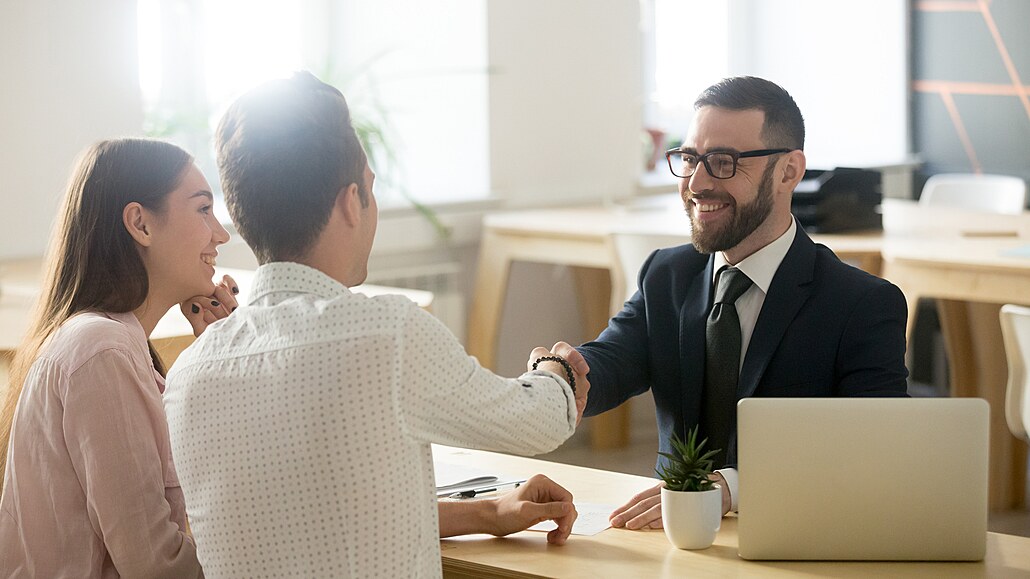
[(752, 307)]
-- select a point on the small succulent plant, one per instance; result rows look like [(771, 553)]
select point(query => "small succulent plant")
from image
[(689, 466)]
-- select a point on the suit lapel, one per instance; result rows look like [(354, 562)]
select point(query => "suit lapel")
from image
[(693, 318), (789, 290)]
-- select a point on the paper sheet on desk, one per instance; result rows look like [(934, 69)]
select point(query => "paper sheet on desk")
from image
[(593, 518), (450, 474), (451, 478)]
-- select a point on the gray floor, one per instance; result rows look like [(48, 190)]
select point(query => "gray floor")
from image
[(638, 458)]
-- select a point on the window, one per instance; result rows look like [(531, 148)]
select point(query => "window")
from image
[(689, 56), (845, 63), (423, 90)]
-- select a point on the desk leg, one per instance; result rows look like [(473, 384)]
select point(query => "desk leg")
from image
[(978, 368), (593, 293), (492, 274), (912, 302), (170, 348), (872, 263)]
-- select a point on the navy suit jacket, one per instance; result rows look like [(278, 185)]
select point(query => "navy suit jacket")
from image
[(825, 329)]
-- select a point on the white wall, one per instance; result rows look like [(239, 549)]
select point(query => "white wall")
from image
[(565, 99), (566, 124), (69, 77)]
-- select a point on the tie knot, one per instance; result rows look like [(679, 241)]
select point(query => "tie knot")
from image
[(730, 285)]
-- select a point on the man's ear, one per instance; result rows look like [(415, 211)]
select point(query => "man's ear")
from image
[(135, 220), (348, 202), (793, 169)]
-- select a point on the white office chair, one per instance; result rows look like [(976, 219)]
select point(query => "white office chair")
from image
[(985, 193), (1015, 329), (632, 248)]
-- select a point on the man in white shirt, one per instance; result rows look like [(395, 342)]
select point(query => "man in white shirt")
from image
[(752, 307), (301, 424)]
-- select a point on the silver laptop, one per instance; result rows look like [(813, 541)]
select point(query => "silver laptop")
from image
[(863, 478)]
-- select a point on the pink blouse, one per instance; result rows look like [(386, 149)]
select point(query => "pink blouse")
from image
[(90, 489)]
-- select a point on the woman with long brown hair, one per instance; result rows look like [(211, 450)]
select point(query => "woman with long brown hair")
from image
[(89, 487)]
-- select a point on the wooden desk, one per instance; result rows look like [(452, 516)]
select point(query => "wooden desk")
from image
[(971, 280), (20, 282), (622, 553)]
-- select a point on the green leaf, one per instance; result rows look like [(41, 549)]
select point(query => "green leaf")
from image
[(689, 465)]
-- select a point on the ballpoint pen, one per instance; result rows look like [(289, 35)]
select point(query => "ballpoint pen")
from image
[(475, 492)]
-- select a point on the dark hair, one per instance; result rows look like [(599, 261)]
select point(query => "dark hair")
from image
[(784, 126), (285, 149), (93, 263)]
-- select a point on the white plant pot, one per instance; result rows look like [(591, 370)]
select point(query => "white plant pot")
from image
[(691, 519)]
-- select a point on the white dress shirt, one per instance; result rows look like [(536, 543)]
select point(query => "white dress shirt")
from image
[(301, 427), (759, 267)]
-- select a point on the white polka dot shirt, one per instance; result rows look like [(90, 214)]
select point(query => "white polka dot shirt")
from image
[(301, 425)]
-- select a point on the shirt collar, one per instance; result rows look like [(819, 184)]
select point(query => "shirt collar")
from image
[(761, 266), (289, 276), (130, 321)]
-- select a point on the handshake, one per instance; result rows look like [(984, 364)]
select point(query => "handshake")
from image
[(576, 370)]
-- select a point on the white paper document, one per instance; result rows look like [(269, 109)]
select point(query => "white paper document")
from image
[(452, 478), (593, 518), (452, 475)]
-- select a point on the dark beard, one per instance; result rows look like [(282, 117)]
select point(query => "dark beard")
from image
[(746, 219)]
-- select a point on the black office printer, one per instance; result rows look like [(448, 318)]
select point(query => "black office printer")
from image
[(839, 200)]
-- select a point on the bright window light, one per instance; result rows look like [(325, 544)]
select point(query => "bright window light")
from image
[(426, 91), (690, 38), (845, 64), (247, 42)]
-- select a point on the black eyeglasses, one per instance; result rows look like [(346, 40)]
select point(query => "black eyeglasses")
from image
[(720, 164)]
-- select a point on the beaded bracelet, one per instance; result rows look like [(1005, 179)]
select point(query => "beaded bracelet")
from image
[(568, 369)]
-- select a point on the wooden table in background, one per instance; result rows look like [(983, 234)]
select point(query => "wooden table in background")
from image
[(971, 280), (623, 553), (20, 282)]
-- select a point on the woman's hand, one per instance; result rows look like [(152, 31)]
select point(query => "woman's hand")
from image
[(202, 311)]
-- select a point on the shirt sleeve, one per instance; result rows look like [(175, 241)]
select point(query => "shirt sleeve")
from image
[(732, 483), (446, 397), (111, 430)]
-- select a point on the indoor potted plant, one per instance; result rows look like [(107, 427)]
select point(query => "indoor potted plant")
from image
[(691, 501)]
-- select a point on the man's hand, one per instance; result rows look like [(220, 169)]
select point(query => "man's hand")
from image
[(579, 368), (202, 311), (538, 499), (643, 511), (727, 501)]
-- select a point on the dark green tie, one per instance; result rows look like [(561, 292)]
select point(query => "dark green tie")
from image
[(722, 362)]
